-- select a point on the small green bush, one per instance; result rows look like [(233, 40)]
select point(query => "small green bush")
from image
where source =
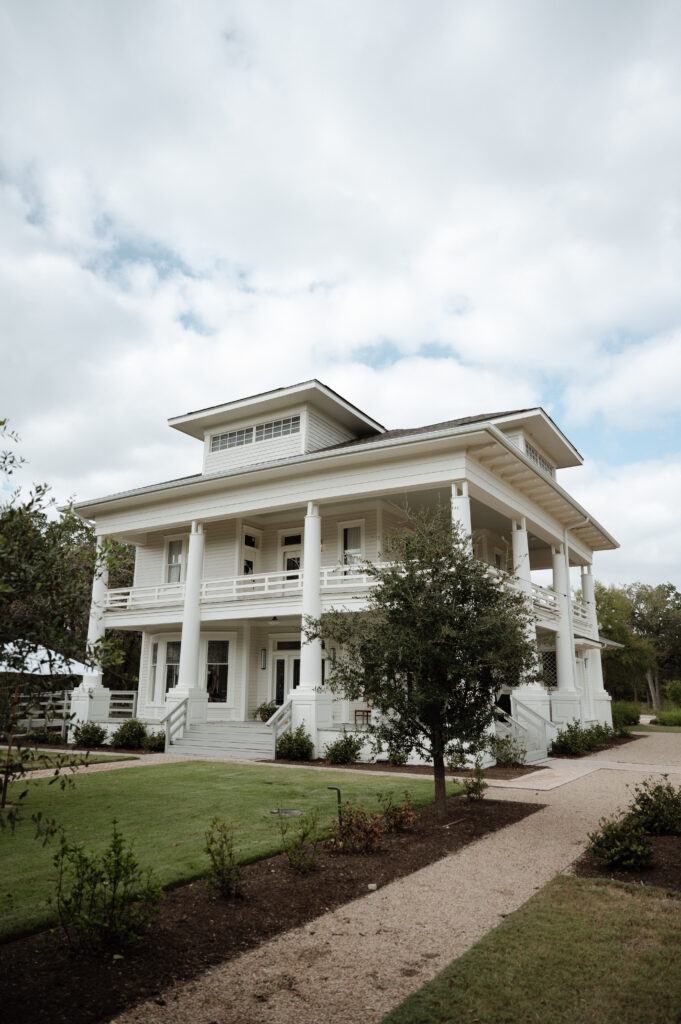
[(667, 718), (129, 735), (89, 735), (397, 757), (224, 871), (624, 714), (104, 903), (155, 742), (299, 841), (344, 750), (507, 751), (397, 817), (575, 740), (359, 832), (621, 843), (43, 734), (475, 786), (657, 807), (295, 746)]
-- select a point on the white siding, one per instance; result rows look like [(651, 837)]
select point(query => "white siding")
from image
[(219, 557), (258, 451), (323, 433), (149, 563)]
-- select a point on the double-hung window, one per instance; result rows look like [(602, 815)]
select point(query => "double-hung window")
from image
[(352, 545), (174, 562), (217, 670), (172, 663)]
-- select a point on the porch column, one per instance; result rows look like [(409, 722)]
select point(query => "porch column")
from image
[(461, 507), (565, 702), (90, 700), (188, 683), (529, 691), (600, 698), (311, 708)]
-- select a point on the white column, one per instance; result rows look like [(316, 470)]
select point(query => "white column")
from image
[(530, 692), (90, 700), (600, 698), (188, 683), (310, 707), (565, 702), (461, 506)]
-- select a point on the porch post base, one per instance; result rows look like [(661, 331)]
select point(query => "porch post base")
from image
[(602, 703), (197, 703), (534, 696), (565, 707), (313, 711), (90, 700)]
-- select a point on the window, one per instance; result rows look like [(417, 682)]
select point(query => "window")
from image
[(174, 565), (172, 663), (352, 545), (217, 669), (261, 432), (250, 549), (291, 540), (538, 459), (152, 672), (549, 668)]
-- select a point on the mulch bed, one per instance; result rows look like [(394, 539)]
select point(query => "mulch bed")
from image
[(196, 929), (414, 769), (664, 872)]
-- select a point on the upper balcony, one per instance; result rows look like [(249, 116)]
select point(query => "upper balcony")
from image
[(270, 593)]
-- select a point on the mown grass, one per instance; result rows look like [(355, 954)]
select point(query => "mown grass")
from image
[(656, 728), (165, 810), (582, 951), (39, 759)]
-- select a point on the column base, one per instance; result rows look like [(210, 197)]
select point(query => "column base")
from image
[(534, 696), (197, 703), (314, 711), (602, 704), (565, 707), (90, 700)]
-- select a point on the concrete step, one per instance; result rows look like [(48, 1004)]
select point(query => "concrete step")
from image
[(227, 739)]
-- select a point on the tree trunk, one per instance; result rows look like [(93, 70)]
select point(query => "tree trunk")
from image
[(653, 680), (440, 785)]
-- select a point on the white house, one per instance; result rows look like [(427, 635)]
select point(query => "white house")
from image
[(297, 488)]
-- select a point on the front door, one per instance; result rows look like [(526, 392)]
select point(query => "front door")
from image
[(286, 675), (292, 562)]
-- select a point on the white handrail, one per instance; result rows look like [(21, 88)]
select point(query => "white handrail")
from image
[(175, 721), (276, 721)]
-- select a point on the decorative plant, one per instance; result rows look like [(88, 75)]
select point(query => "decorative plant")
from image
[(265, 710)]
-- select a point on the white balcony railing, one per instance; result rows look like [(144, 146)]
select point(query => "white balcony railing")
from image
[(287, 584)]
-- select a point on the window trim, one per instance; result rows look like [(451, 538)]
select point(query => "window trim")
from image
[(183, 558)]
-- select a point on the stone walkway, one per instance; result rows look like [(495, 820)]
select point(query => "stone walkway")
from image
[(354, 964)]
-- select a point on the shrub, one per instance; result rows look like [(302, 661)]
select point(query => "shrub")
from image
[(507, 751), (89, 734), (129, 735), (344, 750), (299, 841), (224, 872), (397, 757), (397, 817), (475, 786), (104, 903), (621, 843), (575, 740), (624, 714), (43, 734), (673, 691), (359, 832), (295, 746), (656, 807), (667, 718), (155, 742)]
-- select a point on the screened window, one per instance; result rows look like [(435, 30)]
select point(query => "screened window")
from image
[(217, 670), (172, 663), (174, 574)]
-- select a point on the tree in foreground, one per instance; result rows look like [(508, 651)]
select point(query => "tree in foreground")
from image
[(441, 636)]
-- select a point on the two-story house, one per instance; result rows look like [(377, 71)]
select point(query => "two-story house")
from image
[(297, 489)]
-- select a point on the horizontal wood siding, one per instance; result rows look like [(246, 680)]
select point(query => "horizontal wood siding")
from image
[(323, 433), (149, 563), (258, 451), (219, 557)]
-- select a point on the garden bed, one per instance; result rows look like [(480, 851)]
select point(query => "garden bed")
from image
[(196, 929), (414, 769), (664, 872)]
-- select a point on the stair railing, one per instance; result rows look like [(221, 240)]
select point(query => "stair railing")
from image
[(175, 721), (280, 721)]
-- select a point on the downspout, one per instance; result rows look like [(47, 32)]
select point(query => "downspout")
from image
[(571, 624)]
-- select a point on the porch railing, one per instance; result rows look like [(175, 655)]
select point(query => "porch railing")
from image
[(52, 710), (123, 704), (280, 721), (175, 722)]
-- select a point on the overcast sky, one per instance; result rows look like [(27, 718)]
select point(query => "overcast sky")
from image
[(437, 208)]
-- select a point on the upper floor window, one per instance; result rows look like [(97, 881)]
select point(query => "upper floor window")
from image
[(250, 550), (174, 564), (260, 432), (538, 459), (352, 549)]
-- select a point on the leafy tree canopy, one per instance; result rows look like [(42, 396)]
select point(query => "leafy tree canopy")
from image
[(440, 637)]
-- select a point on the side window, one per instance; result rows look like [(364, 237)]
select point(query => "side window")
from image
[(153, 671), (172, 663), (351, 553), (174, 566)]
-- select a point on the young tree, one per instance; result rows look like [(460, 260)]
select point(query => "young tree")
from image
[(656, 618), (625, 669), (441, 635)]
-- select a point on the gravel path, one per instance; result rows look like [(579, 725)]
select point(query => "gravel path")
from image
[(352, 965)]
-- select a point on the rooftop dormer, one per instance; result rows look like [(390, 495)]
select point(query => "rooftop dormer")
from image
[(275, 425)]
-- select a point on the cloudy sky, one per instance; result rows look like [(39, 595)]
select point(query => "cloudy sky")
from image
[(437, 208)]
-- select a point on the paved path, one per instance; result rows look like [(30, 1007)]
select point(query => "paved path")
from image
[(353, 964)]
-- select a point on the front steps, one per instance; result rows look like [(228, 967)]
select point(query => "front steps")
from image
[(251, 740)]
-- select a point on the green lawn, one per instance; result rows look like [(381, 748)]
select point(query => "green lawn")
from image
[(582, 951), (166, 810), (656, 728), (46, 759)]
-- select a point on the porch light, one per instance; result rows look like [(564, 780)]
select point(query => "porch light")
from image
[(263, 657)]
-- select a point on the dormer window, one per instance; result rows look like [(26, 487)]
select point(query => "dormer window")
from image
[(260, 432)]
